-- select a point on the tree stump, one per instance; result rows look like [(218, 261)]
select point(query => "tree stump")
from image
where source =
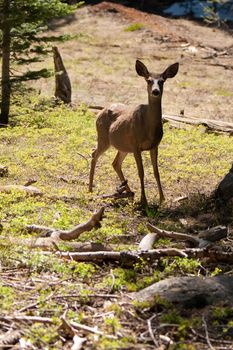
[(62, 80)]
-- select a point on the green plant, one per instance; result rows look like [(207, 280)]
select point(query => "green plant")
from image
[(112, 324), (222, 314), (183, 265), (133, 27), (7, 297)]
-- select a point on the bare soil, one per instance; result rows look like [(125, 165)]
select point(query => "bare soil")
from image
[(101, 60)]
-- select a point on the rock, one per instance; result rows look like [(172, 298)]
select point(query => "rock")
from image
[(225, 188), (189, 291), (3, 171)]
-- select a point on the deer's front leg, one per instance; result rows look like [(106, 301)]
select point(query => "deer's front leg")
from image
[(138, 159), (154, 161)]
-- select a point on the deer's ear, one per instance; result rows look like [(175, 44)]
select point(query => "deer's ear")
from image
[(141, 69), (171, 71)]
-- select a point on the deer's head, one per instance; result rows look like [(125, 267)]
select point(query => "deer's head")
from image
[(155, 81)]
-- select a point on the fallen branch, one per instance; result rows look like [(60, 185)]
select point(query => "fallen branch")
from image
[(124, 258), (30, 190), (48, 243), (93, 222), (210, 125), (204, 239), (130, 258), (88, 329), (24, 318)]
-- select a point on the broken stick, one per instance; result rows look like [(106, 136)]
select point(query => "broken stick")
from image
[(93, 222)]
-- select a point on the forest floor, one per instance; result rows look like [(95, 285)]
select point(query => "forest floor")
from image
[(46, 299)]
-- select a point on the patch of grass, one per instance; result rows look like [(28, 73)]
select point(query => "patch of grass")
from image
[(52, 145), (7, 297), (133, 27), (223, 92), (183, 265), (130, 279), (108, 344)]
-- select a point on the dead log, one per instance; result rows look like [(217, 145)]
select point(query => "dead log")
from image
[(49, 243), (125, 258), (203, 239), (189, 291), (210, 125), (224, 190), (30, 190), (62, 80), (93, 222), (128, 258)]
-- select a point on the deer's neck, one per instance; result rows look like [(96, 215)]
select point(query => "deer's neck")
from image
[(155, 113)]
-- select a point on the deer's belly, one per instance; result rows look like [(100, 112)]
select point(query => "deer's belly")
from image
[(120, 137), (122, 145)]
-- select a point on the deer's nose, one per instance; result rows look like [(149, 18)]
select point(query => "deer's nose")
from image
[(155, 92)]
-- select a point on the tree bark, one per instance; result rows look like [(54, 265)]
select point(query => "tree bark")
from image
[(5, 83)]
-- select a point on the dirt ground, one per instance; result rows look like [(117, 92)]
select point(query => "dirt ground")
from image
[(100, 61)]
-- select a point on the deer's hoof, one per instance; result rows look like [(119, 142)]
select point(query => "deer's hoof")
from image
[(161, 200), (144, 202)]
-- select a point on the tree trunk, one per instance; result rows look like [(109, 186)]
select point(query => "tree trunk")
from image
[(5, 84)]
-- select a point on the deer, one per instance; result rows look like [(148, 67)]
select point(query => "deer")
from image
[(134, 130)]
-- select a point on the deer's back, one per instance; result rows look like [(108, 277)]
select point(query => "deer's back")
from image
[(126, 127)]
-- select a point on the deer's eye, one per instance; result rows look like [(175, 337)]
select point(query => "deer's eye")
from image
[(160, 82), (150, 81)]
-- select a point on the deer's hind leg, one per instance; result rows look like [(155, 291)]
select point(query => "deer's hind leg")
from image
[(117, 164), (101, 148)]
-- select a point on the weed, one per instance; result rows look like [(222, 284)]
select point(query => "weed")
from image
[(108, 344), (133, 27), (222, 314), (184, 265), (114, 307), (112, 324), (216, 271), (42, 336), (7, 297), (223, 92)]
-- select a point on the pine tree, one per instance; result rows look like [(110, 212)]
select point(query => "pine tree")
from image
[(22, 23)]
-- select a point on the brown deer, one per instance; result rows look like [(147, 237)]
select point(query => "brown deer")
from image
[(133, 130)]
